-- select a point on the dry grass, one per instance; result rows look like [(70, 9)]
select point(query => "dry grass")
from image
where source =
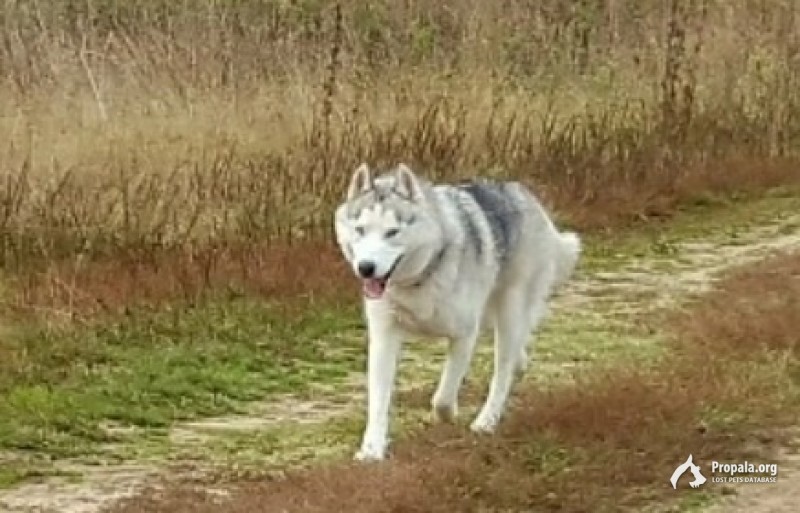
[(605, 443), (137, 131), (69, 289), (766, 293)]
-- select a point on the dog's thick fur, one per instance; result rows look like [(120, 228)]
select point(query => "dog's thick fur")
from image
[(445, 261)]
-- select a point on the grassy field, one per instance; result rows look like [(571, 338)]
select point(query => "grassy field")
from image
[(725, 378), (623, 389), (139, 128), (168, 171), (238, 388)]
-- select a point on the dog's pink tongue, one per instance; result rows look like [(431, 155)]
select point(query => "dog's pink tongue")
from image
[(373, 288)]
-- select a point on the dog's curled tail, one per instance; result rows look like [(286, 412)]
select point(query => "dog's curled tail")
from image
[(569, 252)]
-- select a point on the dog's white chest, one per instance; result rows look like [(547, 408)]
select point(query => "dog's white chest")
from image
[(420, 315), (417, 322)]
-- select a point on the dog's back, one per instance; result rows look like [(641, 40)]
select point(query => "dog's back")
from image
[(524, 241)]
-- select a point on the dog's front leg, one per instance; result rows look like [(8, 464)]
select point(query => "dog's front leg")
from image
[(385, 341)]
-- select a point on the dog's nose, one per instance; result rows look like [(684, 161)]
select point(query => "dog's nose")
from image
[(366, 269)]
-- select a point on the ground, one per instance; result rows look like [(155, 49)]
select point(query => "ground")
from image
[(594, 322), (780, 498)]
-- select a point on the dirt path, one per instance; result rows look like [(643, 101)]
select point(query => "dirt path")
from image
[(642, 284), (779, 497)]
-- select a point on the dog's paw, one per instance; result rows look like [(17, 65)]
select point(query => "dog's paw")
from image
[(485, 424), (371, 451), (445, 412)]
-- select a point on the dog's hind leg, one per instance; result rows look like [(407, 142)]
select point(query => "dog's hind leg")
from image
[(512, 327), (541, 288), (538, 312), (459, 356)]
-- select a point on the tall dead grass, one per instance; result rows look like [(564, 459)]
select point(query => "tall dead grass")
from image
[(608, 442), (136, 128)]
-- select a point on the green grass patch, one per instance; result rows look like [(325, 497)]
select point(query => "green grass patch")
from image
[(70, 392), (12, 474)]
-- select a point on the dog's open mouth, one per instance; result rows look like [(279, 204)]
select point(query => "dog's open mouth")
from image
[(375, 287)]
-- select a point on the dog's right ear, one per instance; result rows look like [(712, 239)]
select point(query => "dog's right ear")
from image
[(360, 182)]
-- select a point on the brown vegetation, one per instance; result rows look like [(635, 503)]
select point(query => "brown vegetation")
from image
[(155, 150), (155, 131), (607, 442), (312, 273)]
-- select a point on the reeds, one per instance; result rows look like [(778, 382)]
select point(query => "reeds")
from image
[(135, 129)]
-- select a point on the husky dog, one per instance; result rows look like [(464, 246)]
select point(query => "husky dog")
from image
[(444, 261)]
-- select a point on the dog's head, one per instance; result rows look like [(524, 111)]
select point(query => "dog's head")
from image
[(384, 225)]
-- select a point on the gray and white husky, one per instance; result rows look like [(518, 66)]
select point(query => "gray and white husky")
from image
[(446, 261)]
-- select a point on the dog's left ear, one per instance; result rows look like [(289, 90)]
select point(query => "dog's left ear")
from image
[(408, 184), (360, 182)]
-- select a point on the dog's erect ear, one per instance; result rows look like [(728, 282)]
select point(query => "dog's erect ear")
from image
[(408, 184), (360, 182)]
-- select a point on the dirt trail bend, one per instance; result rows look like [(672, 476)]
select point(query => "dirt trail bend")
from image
[(639, 285)]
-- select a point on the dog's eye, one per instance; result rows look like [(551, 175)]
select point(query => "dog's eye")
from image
[(360, 230), (391, 233)]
